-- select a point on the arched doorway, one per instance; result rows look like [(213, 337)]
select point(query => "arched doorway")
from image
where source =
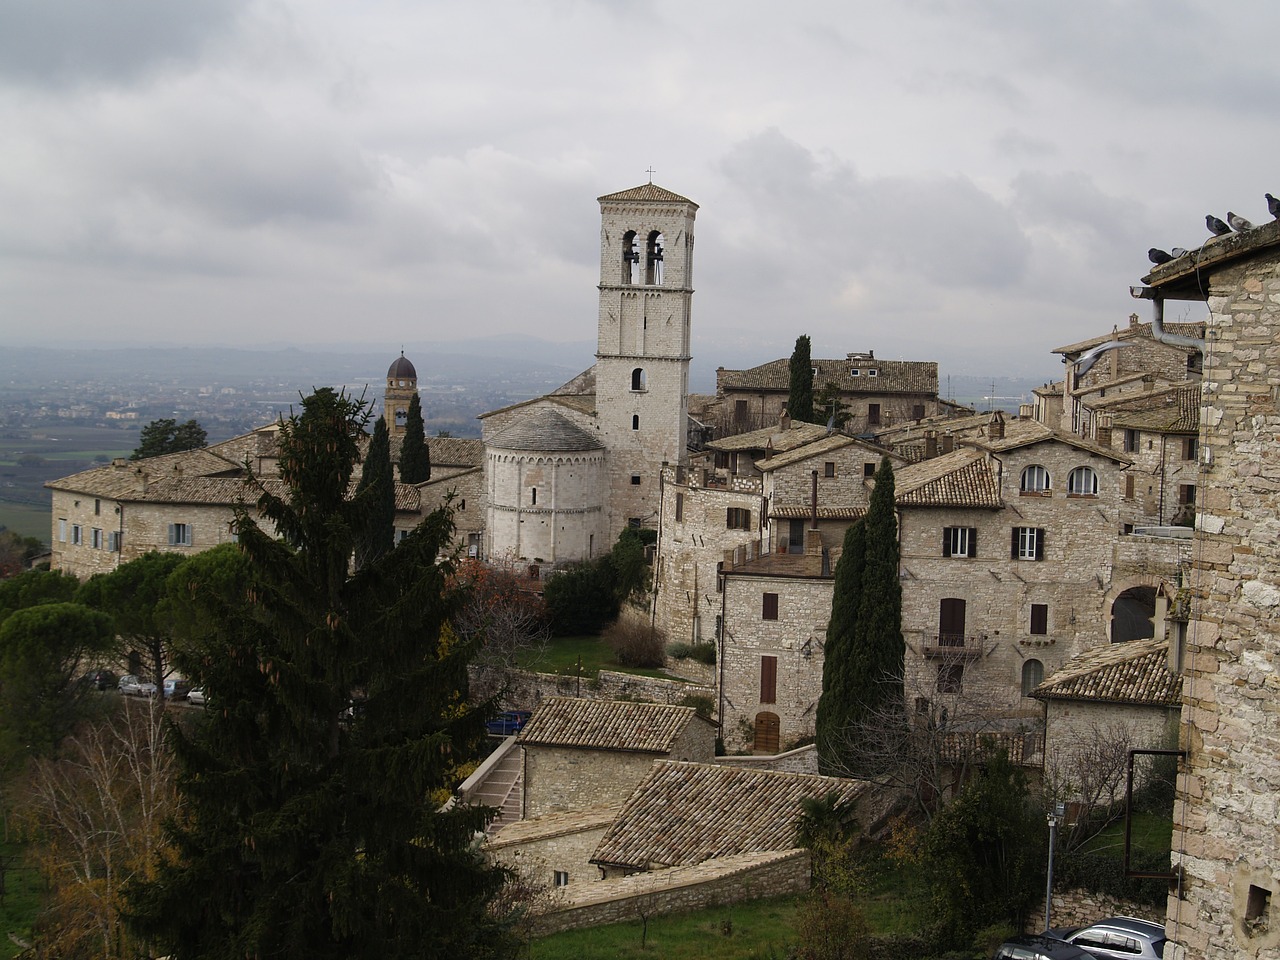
[(766, 733), (1133, 615)]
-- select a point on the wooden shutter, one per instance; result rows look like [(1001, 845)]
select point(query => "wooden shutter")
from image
[(973, 541), (769, 607), (1039, 619), (768, 679), (946, 541)]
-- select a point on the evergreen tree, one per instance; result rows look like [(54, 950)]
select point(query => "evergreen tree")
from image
[(800, 400), (313, 822), (378, 487), (168, 436), (415, 456), (829, 408), (863, 656)]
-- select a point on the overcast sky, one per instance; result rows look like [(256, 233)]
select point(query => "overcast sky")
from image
[(968, 182)]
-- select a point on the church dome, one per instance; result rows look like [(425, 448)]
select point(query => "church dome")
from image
[(544, 430), (401, 369)]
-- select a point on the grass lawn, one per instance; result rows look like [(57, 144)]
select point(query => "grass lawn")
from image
[(744, 931), (21, 900), (1150, 832), (561, 655)]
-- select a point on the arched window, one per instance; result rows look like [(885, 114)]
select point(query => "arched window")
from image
[(630, 257), (1035, 479), (653, 259), (1032, 676), (1082, 482), (637, 379)]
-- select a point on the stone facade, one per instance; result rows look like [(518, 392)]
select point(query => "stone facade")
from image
[(1228, 903), (554, 851)]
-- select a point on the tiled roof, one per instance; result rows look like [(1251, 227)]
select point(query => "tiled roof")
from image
[(1024, 433), (1131, 332), (686, 813), (976, 746), (823, 445), (800, 565), (544, 429), (1167, 411), (203, 490), (263, 442), (962, 478), (893, 376), (825, 512), (648, 192), (583, 385), (555, 824), (1133, 672), (606, 725), (126, 481), (797, 434), (447, 451)]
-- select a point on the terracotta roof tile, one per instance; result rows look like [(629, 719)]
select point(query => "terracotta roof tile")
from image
[(647, 192), (1025, 433), (1133, 672), (554, 825), (962, 478), (606, 725), (893, 376), (686, 813), (797, 434)]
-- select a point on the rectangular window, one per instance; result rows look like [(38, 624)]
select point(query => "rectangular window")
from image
[(722, 460), (1129, 486), (737, 518), (77, 535), (113, 541), (828, 469), (1190, 447), (62, 531), (917, 411), (873, 372), (561, 878), (959, 541), (635, 479), (1131, 440), (533, 496), (1028, 543), (679, 507), (95, 538), (1187, 493), (179, 534), (873, 414), (868, 469), (97, 507), (401, 536), (768, 679), (769, 607), (1039, 619)]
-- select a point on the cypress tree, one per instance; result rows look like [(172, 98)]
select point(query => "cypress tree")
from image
[(376, 493), (338, 720), (415, 457), (863, 657), (800, 400)]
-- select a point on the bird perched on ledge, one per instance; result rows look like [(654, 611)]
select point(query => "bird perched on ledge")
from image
[(1273, 206), (1158, 256), (1238, 223), (1216, 226)]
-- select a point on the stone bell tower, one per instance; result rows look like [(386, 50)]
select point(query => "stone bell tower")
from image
[(402, 384)]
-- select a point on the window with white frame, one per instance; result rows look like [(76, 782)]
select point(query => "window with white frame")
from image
[(180, 535), (113, 541), (959, 541), (77, 535), (561, 878), (1082, 482), (95, 538), (1028, 543), (62, 530), (1035, 479)]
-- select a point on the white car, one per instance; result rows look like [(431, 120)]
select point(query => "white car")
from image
[(196, 696), (132, 685)]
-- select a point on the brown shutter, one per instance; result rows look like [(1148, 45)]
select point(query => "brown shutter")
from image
[(973, 541), (768, 679)]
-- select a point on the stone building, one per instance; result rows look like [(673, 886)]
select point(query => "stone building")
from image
[(1225, 836), (877, 393), (585, 753), (567, 472)]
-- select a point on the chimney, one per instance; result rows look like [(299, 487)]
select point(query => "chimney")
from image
[(948, 442), (930, 444), (995, 426), (1133, 320), (784, 420), (1103, 433)]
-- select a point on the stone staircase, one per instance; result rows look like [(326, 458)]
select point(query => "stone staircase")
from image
[(499, 782)]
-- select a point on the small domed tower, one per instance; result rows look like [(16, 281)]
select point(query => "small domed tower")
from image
[(402, 384)]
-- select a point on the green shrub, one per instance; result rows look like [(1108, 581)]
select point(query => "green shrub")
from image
[(831, 927), (703, 704), (702, 652), (636, 643), (1103, 873)]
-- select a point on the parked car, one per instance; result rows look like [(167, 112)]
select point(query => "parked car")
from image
[(196, 696), (132, 685), (100, 679), (1120, 938), (1037, 946), (175, 688), (508, 722)]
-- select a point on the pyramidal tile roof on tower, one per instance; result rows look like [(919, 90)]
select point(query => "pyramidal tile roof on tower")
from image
[(648, 192)]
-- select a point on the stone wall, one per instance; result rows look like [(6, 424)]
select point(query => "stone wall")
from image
[(526, 690), (557, 779), (1229, 796), (678, 889), (800, 760), (1079, 908)]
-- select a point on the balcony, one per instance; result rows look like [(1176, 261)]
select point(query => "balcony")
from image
[(953, 646)]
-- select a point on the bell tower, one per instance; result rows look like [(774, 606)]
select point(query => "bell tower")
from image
[(642, 345), (402, 384)]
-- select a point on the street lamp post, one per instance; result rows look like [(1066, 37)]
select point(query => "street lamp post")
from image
[(1054, 819)]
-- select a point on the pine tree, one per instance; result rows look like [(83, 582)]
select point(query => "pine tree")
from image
[(415, 456), (863, 656), (338, 718), (800, 400), (378, 487)]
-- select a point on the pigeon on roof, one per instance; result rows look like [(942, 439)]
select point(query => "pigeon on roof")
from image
[(1273, 205), (1216, 226), (1158, 256), (1087, 359), (1238, 223), (1178, 252)]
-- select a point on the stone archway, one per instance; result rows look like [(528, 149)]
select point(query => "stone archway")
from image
[(1133, 614)]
